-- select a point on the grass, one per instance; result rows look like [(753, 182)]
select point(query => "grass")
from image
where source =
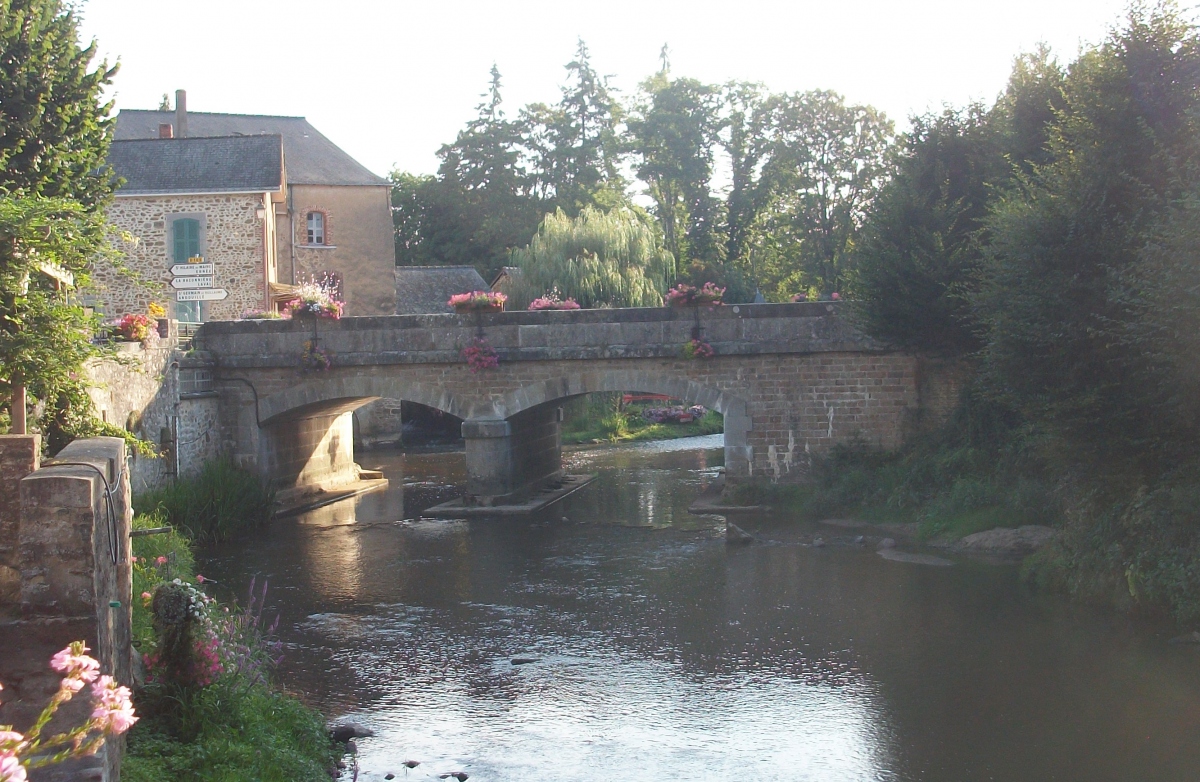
[(220, 502), (237, 735), (601, 417)]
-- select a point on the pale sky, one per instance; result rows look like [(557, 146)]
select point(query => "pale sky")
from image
[(389, 81)]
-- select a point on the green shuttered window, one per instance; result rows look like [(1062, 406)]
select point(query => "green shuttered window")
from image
[(186, 239)]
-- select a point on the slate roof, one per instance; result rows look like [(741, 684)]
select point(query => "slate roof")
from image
[(312, 159), (422, 290), (199, 165)]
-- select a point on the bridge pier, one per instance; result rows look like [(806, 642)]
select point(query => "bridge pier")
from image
[(508, 458)]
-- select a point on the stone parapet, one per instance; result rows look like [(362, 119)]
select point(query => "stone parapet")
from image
[(548, 335)]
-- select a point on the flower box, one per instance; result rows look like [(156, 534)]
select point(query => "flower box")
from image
[(477, 301), (684, 295)]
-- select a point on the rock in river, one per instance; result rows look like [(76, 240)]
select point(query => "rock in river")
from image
[(913, 559), (342, 732), (1008, 541)]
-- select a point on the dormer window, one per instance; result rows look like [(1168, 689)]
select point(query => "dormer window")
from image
[(316, 228)]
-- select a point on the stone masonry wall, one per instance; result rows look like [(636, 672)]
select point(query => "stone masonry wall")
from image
[(232, 238), (76, 584), (791, 379), (154, 394), (20, 454)]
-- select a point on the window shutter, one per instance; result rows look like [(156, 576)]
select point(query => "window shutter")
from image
[(186, 239)]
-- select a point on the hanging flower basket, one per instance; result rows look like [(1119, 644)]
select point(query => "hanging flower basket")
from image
[(698, 349), (480, 356), (478, 301), (314, 358)]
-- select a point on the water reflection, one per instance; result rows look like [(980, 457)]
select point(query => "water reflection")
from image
[(662, 653)]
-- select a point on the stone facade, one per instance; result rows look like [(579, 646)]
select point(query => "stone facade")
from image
[(166, 397), (358, 243), (790, 379), (234, 238)]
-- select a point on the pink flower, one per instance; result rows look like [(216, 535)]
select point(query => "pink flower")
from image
[(10, 768), (11, 741), (199, 579), (161, 561), (835, 296), (114, 710), (77, 668)]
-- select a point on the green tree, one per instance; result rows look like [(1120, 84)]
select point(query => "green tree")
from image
[(826, 163), (745, 139), (1065, 244), (673, 133), (479, 206), (918, 258), (600, 259), (575, 146), (54, 131)]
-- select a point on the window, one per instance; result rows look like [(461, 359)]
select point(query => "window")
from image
[(185, 243), (316, 228)]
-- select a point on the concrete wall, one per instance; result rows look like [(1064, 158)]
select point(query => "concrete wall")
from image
[(74, 559), (233, 238), (313, 451), (359, 243)]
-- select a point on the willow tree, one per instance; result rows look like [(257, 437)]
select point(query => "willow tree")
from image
[(600, 259)]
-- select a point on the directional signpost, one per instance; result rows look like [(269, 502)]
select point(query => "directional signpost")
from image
[(193, 281), (201, 294)]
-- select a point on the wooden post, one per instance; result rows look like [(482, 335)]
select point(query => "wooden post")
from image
[(18, 405)]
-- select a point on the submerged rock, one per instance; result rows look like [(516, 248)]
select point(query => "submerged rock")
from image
[(887, 543), (1188, 638), (1008, 541), (913, 559), (525, 660), (735, 534)]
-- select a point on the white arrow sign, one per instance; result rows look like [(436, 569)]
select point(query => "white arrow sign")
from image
[(193, 269), (211, 294), (192, 282)]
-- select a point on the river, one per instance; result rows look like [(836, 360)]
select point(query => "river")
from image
[(660, 652)]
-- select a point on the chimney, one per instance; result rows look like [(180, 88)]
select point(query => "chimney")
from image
[(165, 130), (181, 113)]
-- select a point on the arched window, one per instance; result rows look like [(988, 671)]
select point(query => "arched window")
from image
[(316, 228)]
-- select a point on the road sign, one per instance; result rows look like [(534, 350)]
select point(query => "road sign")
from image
[(193, 269), (210, 294), (192, 282)]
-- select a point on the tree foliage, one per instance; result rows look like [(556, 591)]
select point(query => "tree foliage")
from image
[(54, 131), (612, 259)]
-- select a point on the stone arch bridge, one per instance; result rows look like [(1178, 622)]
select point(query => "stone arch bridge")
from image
[(790, 380)]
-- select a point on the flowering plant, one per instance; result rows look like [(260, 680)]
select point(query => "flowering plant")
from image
[(156, 310), (802, 296), (477, 300), (698, 348), (133, 328), (684, 294), (480, 356), (551, 301), (260, 315), (314, 358), (315, 301), (112, 714)]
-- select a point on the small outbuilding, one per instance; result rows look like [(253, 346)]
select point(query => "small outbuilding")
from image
[(424, 290)]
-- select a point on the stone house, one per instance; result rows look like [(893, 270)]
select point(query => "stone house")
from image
[(333, 219), (210, 199)]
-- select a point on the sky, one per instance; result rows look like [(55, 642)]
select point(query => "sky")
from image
[(390, 81)]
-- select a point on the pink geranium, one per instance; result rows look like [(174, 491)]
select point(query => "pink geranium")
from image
[(114, 710)]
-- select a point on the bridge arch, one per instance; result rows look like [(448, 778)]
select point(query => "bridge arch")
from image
[(345, 394), (734, 409)]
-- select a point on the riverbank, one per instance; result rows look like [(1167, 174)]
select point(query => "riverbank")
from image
[(209, 707), (603, 418)]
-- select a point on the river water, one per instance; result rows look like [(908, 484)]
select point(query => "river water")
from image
[(660, 652)]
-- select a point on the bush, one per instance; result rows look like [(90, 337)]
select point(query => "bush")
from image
[(220, 502), (156, 559)]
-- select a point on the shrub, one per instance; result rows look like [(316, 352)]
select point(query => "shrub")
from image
[(221, 501)]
